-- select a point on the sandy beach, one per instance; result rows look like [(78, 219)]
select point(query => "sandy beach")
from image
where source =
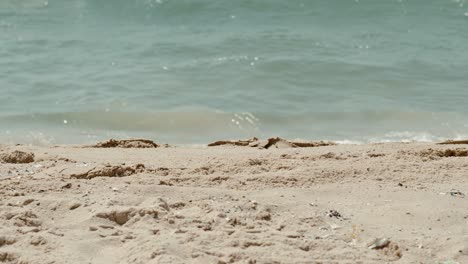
[(244, 203)]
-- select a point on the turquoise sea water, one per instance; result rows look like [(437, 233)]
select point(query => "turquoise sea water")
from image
[(192, 71)]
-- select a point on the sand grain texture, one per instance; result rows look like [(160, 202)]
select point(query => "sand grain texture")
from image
[(231, 204)]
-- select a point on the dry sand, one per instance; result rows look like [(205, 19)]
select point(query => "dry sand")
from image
[(234, 204)]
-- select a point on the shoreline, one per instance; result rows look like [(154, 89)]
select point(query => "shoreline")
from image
[(234, 204), (65, 139)]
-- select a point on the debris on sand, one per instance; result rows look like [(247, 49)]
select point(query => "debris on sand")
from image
[(453, 142), (459, 152), (334, 214), (387, 247), (282, 143), (457, 193), (379, 243), (127, 143), (74, 206), (243, 143), (110, 171), (67, 186), (276, 142), (18, 157)]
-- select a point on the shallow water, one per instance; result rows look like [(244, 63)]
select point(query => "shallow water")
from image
[(189, 72)]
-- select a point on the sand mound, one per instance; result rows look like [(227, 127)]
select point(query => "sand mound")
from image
[(272, 143), (121, 217), (129, 143), (18, 157), (8, 257), (110, 171), (6, 241)]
